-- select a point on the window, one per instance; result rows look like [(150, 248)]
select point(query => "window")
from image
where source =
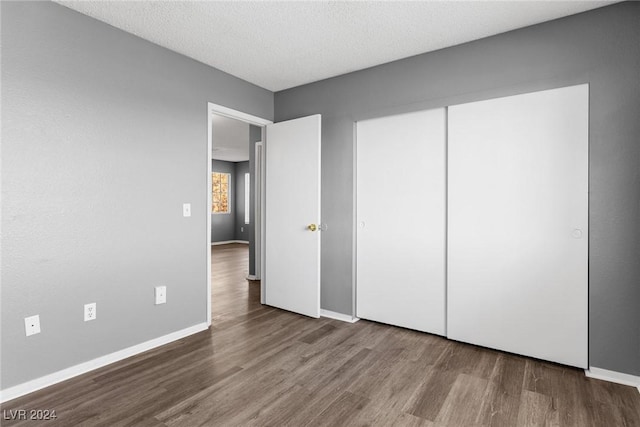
[(220, 192), (247, 204)]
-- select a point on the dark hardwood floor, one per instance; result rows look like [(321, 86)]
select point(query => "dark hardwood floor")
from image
[(260, 366)]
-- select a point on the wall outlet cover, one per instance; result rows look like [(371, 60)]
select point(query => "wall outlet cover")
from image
[(90, 311), (32, 325)]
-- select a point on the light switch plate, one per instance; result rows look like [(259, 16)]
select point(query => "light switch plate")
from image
[(186, 209), (161, 295), (32, 325)]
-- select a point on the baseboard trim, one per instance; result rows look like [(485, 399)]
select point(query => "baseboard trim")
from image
[(613, 376), (252, 277), (227, 242), (338, 316), (82, 368)]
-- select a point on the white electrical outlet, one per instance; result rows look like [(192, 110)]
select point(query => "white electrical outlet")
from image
[(186, 209), (90, 311), (32, 325), (161, 295)]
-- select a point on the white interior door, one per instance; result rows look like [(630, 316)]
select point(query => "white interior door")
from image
[(517, 224), (292, 215), (401, 198)]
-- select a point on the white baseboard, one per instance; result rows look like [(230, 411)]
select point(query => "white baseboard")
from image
[(338, 316), (613, 376), (252, 277), (226, 242), (56, 377)]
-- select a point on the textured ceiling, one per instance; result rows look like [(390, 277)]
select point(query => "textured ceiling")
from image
[(230, 139), (278, 45)]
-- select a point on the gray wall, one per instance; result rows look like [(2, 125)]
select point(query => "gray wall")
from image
[(223, 224), (255, 135), (241, 230), (104, 136), (600, 47)]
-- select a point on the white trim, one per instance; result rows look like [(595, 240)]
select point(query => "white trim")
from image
[(257, 220), (226, 242), (65, 374), (263, 207), (208, 207), (613, 376), (252, 277), (354, 225), (221, 110), (338, 316)]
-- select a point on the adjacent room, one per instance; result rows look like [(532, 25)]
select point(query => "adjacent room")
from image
[(233, 278), (320, 213)]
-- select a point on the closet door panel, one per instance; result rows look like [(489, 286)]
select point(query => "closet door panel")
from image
[(401, 220), (518, 224)]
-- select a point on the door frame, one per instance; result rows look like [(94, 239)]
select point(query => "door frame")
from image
[(258, 186), (247, 118)]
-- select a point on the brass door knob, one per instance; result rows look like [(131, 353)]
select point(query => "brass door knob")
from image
[(312, 227)]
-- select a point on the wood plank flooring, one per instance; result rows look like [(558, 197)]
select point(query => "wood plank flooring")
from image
[(260, 366)]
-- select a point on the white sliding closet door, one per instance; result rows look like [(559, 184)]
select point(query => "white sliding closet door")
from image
[(401, 220), (517, 224)]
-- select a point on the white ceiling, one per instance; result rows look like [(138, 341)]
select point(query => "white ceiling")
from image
[(278, 45), (230, 139)]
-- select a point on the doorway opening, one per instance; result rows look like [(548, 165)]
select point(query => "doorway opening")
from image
[(234, 232)]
